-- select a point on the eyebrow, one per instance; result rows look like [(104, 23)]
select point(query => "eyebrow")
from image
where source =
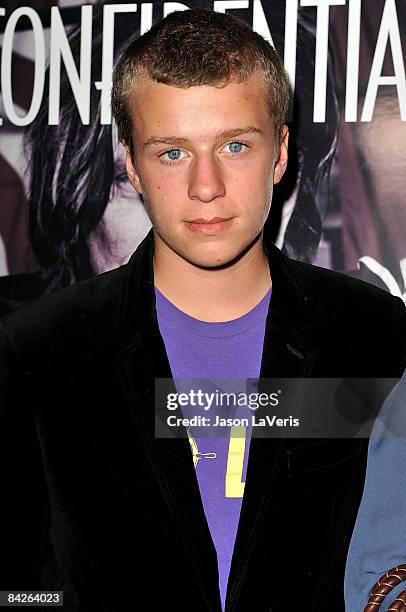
[(177, 140)]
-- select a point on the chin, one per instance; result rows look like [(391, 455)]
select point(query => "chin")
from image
[(211, 265), (213, 260)]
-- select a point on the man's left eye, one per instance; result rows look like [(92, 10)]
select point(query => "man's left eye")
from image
[(235, 147)]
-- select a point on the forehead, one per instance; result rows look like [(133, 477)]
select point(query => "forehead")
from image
[(198, 111)]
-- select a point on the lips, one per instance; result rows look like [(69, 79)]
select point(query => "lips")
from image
[(209, 227), (213, 220)]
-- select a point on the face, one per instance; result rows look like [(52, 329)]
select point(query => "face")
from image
[(205, 162)]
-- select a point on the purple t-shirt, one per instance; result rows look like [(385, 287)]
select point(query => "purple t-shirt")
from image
[(230, 352)]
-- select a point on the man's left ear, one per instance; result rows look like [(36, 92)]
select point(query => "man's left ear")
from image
[(131, 170), (281, 155)]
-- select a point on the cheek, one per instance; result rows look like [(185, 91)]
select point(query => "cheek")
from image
[(254, 176), (163, 194), (257, 203), (160, 184), (162, 209)]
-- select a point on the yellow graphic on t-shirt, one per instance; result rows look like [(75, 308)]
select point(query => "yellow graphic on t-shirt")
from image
[(234, 487), (235, 462), (195, 450)]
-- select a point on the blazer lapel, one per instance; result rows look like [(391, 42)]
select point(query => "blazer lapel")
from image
[(142, 361), (286, 354)]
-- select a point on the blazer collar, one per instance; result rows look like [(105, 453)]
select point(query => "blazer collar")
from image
[(137, 312)]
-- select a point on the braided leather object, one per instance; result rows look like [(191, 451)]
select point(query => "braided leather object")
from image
[(385, 584)]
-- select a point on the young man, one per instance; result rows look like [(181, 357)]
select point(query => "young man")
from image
[(116, 515)]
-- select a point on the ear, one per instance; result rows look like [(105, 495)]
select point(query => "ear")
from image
[(281, 160), (132, 173)]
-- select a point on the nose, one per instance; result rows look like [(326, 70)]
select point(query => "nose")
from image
[(206, 181)]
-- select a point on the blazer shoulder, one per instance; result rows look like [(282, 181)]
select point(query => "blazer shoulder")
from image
[(361, 321)]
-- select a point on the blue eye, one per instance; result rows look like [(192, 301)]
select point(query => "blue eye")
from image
[(235, 147), (173, 154)]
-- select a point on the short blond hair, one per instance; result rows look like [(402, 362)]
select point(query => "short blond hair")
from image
[(198, 47)]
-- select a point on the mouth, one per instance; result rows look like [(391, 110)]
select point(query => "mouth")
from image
[(209, 227)]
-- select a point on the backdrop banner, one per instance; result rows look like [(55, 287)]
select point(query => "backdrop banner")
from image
[(67, 210)]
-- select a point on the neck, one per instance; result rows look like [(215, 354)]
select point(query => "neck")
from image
[(207, 294)]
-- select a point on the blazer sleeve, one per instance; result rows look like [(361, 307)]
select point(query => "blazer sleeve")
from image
[(379, 539), (24, 501)]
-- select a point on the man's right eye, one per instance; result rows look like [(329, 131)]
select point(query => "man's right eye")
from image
[(171, 155)]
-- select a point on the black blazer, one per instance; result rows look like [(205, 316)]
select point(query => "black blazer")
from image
[(94, 505)]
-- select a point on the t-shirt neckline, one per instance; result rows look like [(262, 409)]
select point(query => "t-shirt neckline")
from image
[(215, 329)]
